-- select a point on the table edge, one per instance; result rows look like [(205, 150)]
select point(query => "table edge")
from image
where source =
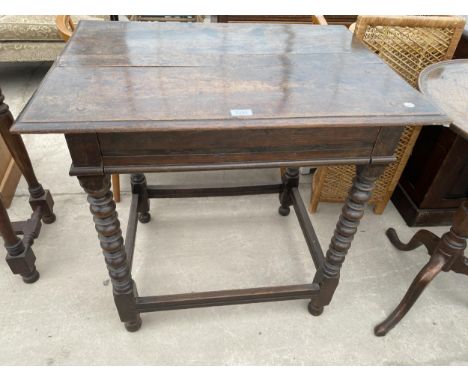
[(422, 86), (224, 124)]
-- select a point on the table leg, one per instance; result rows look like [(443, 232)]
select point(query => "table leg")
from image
[(460, 265), (39, 198), (448, 253), (328, 274), (19, 257), (290, 179), (422, 237), (139, 186), (423, 278), (107, 225)]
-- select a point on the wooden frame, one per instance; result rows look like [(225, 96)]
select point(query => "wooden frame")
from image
[(296, 19), (65, 26)]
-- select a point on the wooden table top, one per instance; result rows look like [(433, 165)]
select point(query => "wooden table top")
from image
[(134, 77), (446, 83)]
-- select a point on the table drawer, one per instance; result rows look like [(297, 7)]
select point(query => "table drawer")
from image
[(215, 147)]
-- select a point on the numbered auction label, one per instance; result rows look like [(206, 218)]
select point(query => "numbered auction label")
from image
[(241, 112)]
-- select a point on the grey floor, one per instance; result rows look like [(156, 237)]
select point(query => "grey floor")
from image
[(68, 316)]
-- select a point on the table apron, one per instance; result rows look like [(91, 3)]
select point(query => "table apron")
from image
[(106, 153)]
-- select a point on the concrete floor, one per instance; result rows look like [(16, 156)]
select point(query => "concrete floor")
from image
[(68, 316)]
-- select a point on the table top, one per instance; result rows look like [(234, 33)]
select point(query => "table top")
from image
[(135, 77), (446, 83)]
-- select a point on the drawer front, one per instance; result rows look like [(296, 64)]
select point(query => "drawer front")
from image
[(217, 147)]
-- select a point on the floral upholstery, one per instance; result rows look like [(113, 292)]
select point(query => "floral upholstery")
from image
[(32, 38), (35, 28), (29, 51)]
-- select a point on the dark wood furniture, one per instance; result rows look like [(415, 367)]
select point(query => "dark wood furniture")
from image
[(9, 175), (435, 180), (66, 27), (462, 48), (345, 20), (249, 96), (446, 84), (20, 256)]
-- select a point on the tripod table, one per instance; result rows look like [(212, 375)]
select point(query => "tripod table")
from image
[(446, 83)]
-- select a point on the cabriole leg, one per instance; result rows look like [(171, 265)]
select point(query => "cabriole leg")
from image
[(422, 237), (423, 278), (107, 225)]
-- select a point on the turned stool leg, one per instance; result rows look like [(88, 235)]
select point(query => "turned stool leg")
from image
[(107, 225), (449, 251), (20, 258), (138, 182), (353, 210), (290, 179), (39, 198)]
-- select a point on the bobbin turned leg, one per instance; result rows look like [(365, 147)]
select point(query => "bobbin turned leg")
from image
[(328, 274), (138, 182), (20, 258), (107, 225), (447, 254), (290, 179), (39, 198)]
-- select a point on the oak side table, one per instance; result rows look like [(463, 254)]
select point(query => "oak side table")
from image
[(446, 83), (151, 97)]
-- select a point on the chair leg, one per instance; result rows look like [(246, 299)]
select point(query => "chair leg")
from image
[(116, 187), (316, 188), (379, 207)]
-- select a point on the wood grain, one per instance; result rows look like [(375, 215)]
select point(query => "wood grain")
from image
[(286, 75)]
